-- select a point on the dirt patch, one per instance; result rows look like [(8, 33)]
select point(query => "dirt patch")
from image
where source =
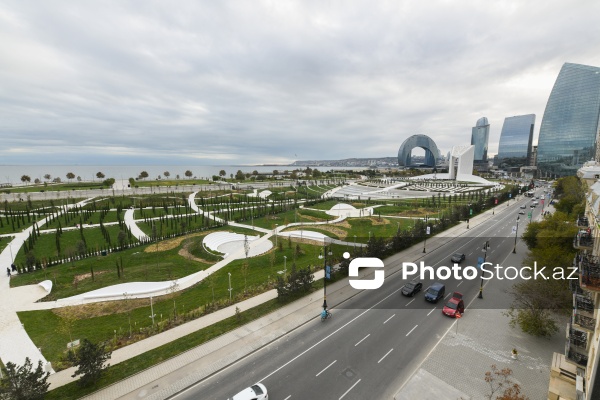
[(377, 221), (311, 218), (81, 277), (99, 309), (171, 243), (343, 224)]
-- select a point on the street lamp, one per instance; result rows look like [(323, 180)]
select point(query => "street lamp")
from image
[(276, 225), (325, 272), (229, 273), (486, 246), (284, 265), (152, 315), (516, 234), (426, 227)]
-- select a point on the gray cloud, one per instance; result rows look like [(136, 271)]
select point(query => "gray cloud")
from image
[(261, 81)]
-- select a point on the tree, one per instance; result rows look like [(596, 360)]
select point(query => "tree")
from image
[(24, 383), (275, 172), (25, 179), (143, 174), (222, 173), (108, 182), (47, 177), (240, 175), (89, 359), (100, 175), (121, 238), (37, 181), (499, 380), (70, 176), (188, 173), (166, 174), (78, 178)]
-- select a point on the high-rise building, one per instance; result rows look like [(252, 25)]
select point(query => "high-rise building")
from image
[(516, 138), (479, 138), (570, 123)]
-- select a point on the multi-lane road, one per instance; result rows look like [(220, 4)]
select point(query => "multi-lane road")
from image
[(377, 339)]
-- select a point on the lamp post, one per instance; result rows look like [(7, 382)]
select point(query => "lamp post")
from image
[(276, 225), (425, 242), (152, 315), (516, 234), (486, 246), (284, 265), (324, 257), (229, 273)]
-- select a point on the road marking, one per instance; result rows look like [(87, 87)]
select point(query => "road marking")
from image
[(360, 341), (288, 397), (390, 317), (412, 330), (351, 387), (459, 283), (331, 334), (431, 311), (409, 302), (470, 253), (326, 368), (447, 296), (386, 354)]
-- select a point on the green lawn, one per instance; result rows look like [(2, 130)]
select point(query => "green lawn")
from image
[(55, 187)]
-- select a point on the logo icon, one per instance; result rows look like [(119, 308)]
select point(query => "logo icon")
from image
[(366, 262)]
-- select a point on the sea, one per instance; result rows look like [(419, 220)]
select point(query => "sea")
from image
[(12, 173)]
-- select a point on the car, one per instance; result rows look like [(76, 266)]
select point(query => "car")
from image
[(435, 292), (411, 288), (522, 212), (457, 257), (523, 207), (454, 305), (258, 391), (534, 205)]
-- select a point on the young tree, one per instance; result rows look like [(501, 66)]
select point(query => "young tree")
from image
[(23, 382), (78, 178), (47, 177), (25, 179), (99, 175), (166, 174), (70, 176), (37, 181), (499, 381), (240, 175), (89, 359), (143, 174), (222, 173), (189, 173)]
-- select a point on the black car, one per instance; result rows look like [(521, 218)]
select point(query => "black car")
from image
[(412, 288), (457, 257)]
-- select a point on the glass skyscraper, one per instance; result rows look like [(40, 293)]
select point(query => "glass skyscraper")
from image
[(516, 138), (479, 138), (570, 124)]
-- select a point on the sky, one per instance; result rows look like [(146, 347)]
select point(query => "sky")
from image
[(245, 82)]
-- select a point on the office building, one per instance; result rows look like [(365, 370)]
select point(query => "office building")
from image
[(514, 150), (479, 138)]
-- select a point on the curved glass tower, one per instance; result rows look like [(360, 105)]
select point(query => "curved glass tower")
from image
[(432, 154), (479, 138), (570, 124), (516, 138)]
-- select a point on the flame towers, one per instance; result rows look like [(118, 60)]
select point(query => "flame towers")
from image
[(570, 123)]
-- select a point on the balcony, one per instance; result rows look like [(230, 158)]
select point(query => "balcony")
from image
[(583, 223), (583, 302), (589, 272), (584, 320), (583, 241), (576, 347)]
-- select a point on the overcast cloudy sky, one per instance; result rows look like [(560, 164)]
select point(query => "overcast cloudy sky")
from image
[(228, 82)]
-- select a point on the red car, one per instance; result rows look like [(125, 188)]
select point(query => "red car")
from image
[(455, 304)]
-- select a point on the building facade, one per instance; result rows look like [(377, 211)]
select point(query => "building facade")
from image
[(516, 138), (432, 154), (479, 138), (570, 123)]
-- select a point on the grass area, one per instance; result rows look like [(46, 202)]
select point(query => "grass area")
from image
[(100, 326), (55, 187), (73, 218), (172, 182), (385, 228), (287, 217), (134, 365)]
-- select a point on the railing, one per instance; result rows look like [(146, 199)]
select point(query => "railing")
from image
[(589, 272), (584, 321), (582, 302), (583, 241), (583, 222), (576, 347)]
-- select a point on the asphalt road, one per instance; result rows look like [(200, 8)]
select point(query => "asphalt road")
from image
[(376, 340)]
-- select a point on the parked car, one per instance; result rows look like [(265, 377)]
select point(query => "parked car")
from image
[(454, 305), (457, 257), (258, 391), (411, 288), (435, 292)]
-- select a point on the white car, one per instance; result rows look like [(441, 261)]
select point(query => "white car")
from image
[(258, 391)]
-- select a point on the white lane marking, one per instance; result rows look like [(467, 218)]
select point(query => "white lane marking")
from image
[(360, 341), (331, 334), (288, 397), (389, 318), (326, 368), (386, 354), (409, 302), (431, 311), (351, 387), (447, 296), (459, 283), (470, 253), (412, 330)]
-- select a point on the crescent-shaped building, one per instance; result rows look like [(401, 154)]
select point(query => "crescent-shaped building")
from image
[(423, 141)]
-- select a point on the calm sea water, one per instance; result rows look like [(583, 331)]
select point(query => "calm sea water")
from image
[(13, 173)]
